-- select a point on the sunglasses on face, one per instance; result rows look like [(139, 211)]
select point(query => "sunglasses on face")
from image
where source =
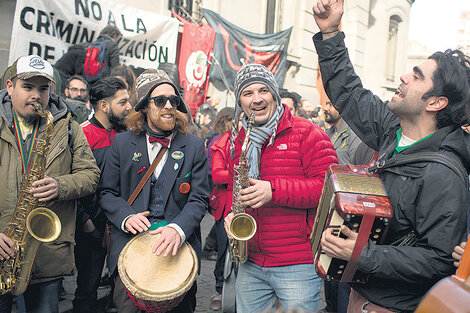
[(160, 101)]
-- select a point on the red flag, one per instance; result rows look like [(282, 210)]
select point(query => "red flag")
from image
[(197, 43)]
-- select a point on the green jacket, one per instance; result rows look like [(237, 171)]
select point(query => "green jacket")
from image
[(73, 167)]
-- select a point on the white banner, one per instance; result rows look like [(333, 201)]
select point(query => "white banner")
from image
[(49, 27)]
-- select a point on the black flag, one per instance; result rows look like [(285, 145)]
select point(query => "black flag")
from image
[(235, 47)]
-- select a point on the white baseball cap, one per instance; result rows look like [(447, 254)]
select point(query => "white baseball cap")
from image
[(30, 66)]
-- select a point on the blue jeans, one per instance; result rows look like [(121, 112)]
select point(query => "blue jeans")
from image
[(41, 298), (295, 286)]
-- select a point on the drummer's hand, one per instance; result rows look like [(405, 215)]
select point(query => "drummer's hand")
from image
[(138, 223), (458, 253), (169, 241), (337, 247), (227, 221)]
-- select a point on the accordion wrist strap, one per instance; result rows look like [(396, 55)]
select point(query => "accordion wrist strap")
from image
[(361, 241)]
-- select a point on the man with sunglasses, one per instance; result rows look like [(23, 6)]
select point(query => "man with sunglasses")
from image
[(177, 192)]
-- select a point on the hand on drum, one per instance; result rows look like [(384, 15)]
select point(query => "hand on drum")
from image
[(227, 221), (169, 241), (138, 223), (337, 247)]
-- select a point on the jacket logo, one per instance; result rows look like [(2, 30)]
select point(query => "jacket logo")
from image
[(282, 146)]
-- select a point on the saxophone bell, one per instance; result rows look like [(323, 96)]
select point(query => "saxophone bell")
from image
[(43, 225), (243, 227)]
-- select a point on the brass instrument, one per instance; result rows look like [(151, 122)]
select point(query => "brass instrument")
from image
[(243, 225), (30, 224)]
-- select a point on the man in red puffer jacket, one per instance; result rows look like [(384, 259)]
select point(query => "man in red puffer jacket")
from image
[(287, 158)]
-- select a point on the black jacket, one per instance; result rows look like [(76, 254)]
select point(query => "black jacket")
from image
[(427, 198), (71, 63)]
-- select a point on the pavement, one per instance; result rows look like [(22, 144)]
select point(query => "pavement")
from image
[(205, 283)]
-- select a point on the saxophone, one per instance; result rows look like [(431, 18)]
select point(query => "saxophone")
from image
[(243, 225), (30, 224)]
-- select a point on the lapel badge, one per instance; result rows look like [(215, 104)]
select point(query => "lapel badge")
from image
[(184, 188), (136, 157), (176, 166), (177, 155)]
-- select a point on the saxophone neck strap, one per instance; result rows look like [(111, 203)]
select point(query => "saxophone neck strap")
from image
[(25, 152)]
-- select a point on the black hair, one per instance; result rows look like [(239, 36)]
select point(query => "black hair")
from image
[(76, 77), (283, 93), (105, 88), (111, 31), (451, 79)]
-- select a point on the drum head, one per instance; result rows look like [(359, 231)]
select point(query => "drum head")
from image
[(156, 278)]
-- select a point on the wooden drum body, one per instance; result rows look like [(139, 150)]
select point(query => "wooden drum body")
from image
[(353, 197), (155, 283)]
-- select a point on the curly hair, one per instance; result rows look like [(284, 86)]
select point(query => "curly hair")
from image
[(451, 79)]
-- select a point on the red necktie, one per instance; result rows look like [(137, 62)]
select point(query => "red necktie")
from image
[(163, 141)]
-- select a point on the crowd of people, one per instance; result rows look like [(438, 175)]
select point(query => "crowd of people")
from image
[(125, 156)]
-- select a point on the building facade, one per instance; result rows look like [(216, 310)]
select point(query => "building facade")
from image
[(376, 35)]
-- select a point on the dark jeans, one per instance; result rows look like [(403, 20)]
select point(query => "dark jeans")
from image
[(221, 251), (125, 305), (336, 296), (41, 298), (5, 303), (89, 259)]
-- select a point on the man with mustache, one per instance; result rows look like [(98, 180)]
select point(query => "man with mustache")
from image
[(287, 158), (110, 101), (70, 173), (178, 190), (428, 198)]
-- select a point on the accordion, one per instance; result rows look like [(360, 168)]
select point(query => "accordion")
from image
[(354, 197)]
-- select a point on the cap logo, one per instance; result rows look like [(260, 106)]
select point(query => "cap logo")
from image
[(37, 63)]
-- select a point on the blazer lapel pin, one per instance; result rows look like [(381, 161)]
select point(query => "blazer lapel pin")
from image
[(136, 157)]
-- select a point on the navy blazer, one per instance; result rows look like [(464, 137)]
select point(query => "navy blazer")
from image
[(125, 166)]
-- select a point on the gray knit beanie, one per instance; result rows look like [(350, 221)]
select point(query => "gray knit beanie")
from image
[(252, 74)]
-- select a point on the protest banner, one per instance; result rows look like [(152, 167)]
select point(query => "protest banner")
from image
[(48, 28), (197, 43)]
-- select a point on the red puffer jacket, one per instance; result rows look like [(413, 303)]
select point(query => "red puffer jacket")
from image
[(295, 165), (220, 158)]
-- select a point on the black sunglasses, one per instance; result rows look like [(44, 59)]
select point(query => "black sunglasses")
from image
[(160, 101)]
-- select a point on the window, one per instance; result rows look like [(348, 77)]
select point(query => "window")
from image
[(271, 10), (183, 8), (392, 47)]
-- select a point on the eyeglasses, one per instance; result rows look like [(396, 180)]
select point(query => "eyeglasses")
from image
[(160, 101), (77, 90)]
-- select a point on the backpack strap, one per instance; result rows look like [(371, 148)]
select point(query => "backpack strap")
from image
[(436, 157)]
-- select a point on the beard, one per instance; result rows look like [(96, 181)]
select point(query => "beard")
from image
[(331, 119), (157, 122), (32, 119), (118, 122), (82, 99)]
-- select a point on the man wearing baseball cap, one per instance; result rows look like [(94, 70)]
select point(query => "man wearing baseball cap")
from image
[(70, 173), (177, 191)]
